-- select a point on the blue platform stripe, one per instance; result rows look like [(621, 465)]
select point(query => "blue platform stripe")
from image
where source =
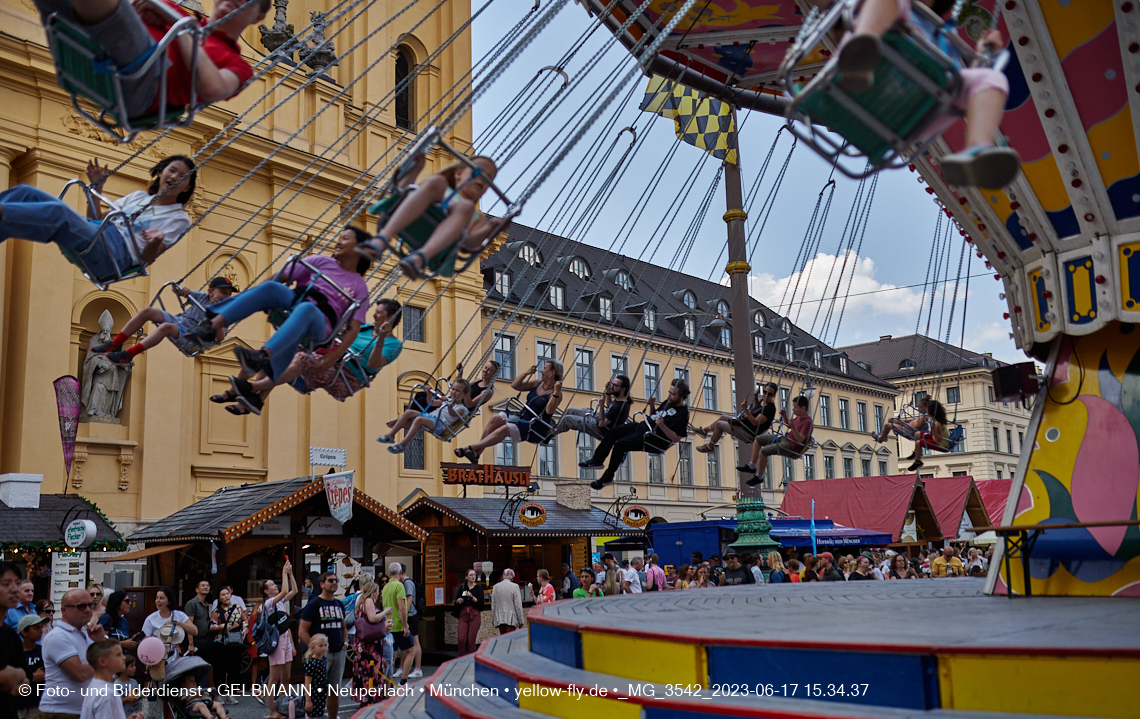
[(1064, 222), (1125, 197), (660, 713), (562, 645), (1131, 283), (1042, 301), (913, 684), (1018, 87), (437, 710), (495, 679)]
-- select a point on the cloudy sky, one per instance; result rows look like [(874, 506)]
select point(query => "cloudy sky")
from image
[(657, 195)]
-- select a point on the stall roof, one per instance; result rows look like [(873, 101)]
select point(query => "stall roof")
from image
[(875, 503), (482, 515), (25, 527), (951, 497), (995, 493), (231, 512)]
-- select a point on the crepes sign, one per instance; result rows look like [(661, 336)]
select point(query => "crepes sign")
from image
[(338, 491)]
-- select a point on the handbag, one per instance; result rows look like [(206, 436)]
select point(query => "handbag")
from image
[(368, 632)]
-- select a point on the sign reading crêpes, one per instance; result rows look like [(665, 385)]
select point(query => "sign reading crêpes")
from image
[(485, 474)]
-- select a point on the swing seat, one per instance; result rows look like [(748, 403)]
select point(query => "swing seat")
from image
[(453, 430), (950, 442), (653, 442), (183, 303), (516, 406), (136, 268), (85, 71), (915, 82), (416, 234), (278, 317)]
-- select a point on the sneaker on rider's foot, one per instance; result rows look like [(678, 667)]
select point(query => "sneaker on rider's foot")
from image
[(119, 357), (105, 348), (981, 166), (857, 60), (252, 361)]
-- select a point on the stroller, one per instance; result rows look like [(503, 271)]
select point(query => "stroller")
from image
[(176, 670)]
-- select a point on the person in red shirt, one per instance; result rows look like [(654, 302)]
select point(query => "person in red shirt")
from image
[(791, 443), (128, 33)]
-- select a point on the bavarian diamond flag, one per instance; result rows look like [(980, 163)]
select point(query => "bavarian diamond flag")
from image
[(699, 120)]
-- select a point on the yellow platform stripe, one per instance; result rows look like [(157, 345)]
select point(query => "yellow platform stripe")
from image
[(567, 707), (655, 660), (1059, 686), (1045, 179), (1075, 23), (1113, 146)]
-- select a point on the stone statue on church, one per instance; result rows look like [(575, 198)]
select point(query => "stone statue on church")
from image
[(104, 382)]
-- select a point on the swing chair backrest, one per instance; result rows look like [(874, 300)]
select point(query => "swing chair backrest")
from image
[(85, 71), (277, 317), (137, 268), (914, 82), (780, 431), (538, 425), (184, 304), (951, 441), (461, 423), (415, 235)]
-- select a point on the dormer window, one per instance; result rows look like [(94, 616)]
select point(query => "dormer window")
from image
[(503, 283), (580, 269), (606, 308), (786, 325), (690, 328), (726, 338), (906, 364), (558, 297), (789, 351), (758, 319), (690, 300), (722, 308), (758, 344), (650, 319), (530, 255), (843, 365), (623, 280), (816, 358)]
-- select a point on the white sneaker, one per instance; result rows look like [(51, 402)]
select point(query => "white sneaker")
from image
[(398, 673), (416, 674)]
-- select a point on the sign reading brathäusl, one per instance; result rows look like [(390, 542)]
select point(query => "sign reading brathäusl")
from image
[(485, 474)]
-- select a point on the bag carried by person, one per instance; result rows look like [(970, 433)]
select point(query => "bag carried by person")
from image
[(368, 632), (265, 633)]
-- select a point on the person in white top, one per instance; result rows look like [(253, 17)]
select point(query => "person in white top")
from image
[(444, 415), (277, 598), (66, 671), (101, 701), (630, 581), (164, 615), (32, 214)]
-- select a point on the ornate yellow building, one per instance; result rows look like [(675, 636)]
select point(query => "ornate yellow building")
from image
[(170, 445)]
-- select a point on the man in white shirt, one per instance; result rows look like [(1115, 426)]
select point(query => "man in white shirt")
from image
[(66, 672), (630, 580)]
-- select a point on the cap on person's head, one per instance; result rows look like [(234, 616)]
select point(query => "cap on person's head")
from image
[(891, 553), (224, 283), (867, 553), (826, 555), (729, 553), (716, 556), (30, 620)]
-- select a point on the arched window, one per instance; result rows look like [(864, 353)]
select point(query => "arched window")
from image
[(580, 269), (404, 94), (722, 308), (906, 364), (624, 281), (758, 319), (529, 254), (690, 300), (786, 325)]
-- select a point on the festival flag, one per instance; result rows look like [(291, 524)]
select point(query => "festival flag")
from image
[(698, 119), (67, 402), (338, 491)]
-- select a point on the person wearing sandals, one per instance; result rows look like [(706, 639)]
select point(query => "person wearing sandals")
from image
[(441, 416), (311, 319), (457, 189), (307, 373), (169, 325), (753, 421), (544, 396)]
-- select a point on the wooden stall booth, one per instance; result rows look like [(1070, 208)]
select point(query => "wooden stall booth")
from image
[(489, 534), (241, 536)]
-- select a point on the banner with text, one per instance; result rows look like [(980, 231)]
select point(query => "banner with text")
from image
[(338, 490), (485, 474)]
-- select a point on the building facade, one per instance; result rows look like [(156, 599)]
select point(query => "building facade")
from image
[(922, 366), (169, 445), (602, 314)]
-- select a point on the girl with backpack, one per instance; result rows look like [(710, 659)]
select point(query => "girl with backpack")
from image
[(275, 609)]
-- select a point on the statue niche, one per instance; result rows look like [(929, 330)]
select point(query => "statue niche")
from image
[(104, 382)]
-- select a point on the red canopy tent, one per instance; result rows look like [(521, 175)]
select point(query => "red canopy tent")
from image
[(878, 503), (995, 493), (952, 497)]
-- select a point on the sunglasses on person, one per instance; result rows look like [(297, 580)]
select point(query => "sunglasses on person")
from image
[(81, 607), (96, 595)]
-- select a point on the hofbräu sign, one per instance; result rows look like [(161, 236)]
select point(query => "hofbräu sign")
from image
[(485, 474)]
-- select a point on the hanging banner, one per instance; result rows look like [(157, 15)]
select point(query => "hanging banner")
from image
[(338, 490), (67, 402)]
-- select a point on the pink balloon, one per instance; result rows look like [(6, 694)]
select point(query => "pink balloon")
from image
[(151, 651)]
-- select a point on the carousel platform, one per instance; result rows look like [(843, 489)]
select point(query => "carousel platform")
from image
[(888, 650)]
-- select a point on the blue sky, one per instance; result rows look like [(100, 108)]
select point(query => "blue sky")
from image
[(900, 224)]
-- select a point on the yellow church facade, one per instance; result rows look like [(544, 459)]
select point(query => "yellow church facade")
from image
[(169, 445)]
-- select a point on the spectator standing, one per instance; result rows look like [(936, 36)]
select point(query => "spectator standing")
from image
[(587, 586), (276, 608), (654, 575), (685, 575), (631, 578), (114, 621), (199, 612), (31, 629), (46, 609), (794, 569), (825, 563), (325, 614), (846, 566), (702, 581), (164, 614), (368, 666), (755, 564), (65, 656), (394, 596), (12, 661), (413, 624), (469, 611), (612, 583), (506, 603), (96, 592), (862, 570), (25, 604), (102, 702), (569, 581), (229, 645), (716, 571), (807, 562), (545, 594), (778, 575), (946, 564), (975, 559), (878, 564), (735, 573)]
